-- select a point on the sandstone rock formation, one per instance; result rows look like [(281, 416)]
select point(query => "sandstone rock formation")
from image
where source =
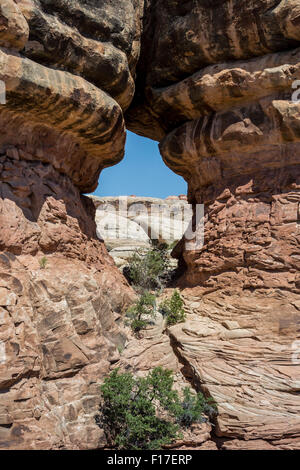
[(127, 224), (60, 300), (227, 350), (214, 82), (61, 296), (239, 350)]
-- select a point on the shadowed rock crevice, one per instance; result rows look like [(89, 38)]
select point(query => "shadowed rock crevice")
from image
[(191, 377)]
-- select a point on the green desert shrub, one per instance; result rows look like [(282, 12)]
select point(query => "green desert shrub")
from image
[(145, 412), (172, 309), (136, 412), (141, 314), (149, 270), (43, 262), (194, 408)]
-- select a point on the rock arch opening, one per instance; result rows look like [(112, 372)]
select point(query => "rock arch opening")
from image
[(140, 201)]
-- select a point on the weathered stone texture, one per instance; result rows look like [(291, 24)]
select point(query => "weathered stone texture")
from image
[(60, 336), (99, 41), (59, 115), (182, 38), (67, 89), (239, 348), (14, 30), (59, 321), (214, 86), (68, 68)]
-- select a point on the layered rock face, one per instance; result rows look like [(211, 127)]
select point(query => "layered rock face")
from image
[(215, 88), (60, 294), (66, 91), (60, 300)]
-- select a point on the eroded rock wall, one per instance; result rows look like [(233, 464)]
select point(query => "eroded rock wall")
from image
[(60, 300), (214, 87), (68, 69)]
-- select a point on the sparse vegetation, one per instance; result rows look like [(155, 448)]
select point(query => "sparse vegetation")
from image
[(43, 262), (194, 408), (142, 312), (149, 270), (172, 309), (146, 413)]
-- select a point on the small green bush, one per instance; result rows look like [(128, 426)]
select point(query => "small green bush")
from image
[(132, 410), (173, 309), (194, 407), (149, 270), (145, 413), (43, 262), (142, 312)]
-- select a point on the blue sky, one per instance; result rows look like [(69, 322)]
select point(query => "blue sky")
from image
[(142, 172)]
